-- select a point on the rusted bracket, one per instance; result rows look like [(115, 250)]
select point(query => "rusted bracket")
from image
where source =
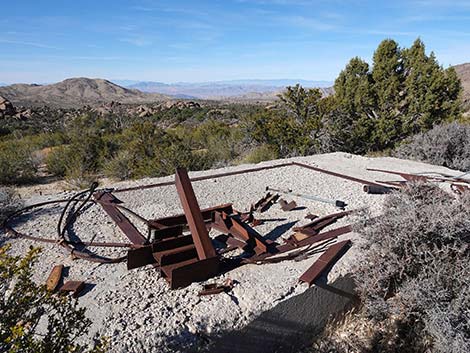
[(287, 206), (74, 287), (106, 200), (325, 261)]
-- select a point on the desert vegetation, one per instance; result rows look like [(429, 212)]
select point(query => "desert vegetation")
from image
[(447, 145), (403, 93), (33, 319), (412, 278)]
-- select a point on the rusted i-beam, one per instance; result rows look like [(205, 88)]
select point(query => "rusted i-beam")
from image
[(324, 262), (196, 224), (106, 200)]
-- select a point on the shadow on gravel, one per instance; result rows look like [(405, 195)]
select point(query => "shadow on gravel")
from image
[(279, 231), (291, 325)]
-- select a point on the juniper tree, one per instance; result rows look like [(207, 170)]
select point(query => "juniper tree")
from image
[(354, 105), (387, 74), (431, 93)]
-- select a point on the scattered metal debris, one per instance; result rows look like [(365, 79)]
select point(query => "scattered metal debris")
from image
[(336, 203), (265, 202), (179, 246)]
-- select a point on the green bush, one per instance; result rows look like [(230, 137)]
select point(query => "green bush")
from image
[(24, 304), (260, 154), (57, 160), (17, 164)]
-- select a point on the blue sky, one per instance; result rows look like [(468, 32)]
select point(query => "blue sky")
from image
[(182, 40)]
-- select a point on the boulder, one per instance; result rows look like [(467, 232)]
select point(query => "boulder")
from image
[(6, 108)]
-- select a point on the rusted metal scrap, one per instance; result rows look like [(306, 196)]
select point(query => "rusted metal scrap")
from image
[(325, 261), (318, 224), (459, 189), (74, 287), (230, 224), (214, 288), (54, 278), (265, 202), (377, 189), (287, 206), (311, 216)]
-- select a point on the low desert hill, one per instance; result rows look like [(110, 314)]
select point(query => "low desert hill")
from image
[(75, 92), (463, 71)]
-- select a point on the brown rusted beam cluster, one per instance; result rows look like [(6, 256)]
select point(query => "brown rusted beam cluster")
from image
[(180, 245)]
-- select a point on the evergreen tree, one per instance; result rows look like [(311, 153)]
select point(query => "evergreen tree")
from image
[(354, 107), (387, 74), (431, 93)]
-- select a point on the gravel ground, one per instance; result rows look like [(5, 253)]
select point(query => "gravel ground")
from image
[(137, 310)]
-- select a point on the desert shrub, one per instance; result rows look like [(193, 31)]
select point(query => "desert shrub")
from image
[(261, 153), (414, 272), (447, 145), (17, 163), (9, 202), (412, 276), (120, 166), (57, 160), (33, 320)]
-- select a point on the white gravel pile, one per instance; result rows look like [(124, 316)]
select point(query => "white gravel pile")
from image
[(137, 310)]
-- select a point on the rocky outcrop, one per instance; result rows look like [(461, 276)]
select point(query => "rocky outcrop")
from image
[(181, 105), (6, 108)]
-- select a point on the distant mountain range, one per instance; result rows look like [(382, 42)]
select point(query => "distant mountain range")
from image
[(249, 89), (75, 92)]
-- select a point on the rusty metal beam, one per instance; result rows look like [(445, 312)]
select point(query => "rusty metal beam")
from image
[(106, 200), (181, 218), (339, 175), (326, 260), (406, 176), (196, 224)]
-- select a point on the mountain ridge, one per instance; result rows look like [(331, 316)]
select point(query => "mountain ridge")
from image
[(75, 92)]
